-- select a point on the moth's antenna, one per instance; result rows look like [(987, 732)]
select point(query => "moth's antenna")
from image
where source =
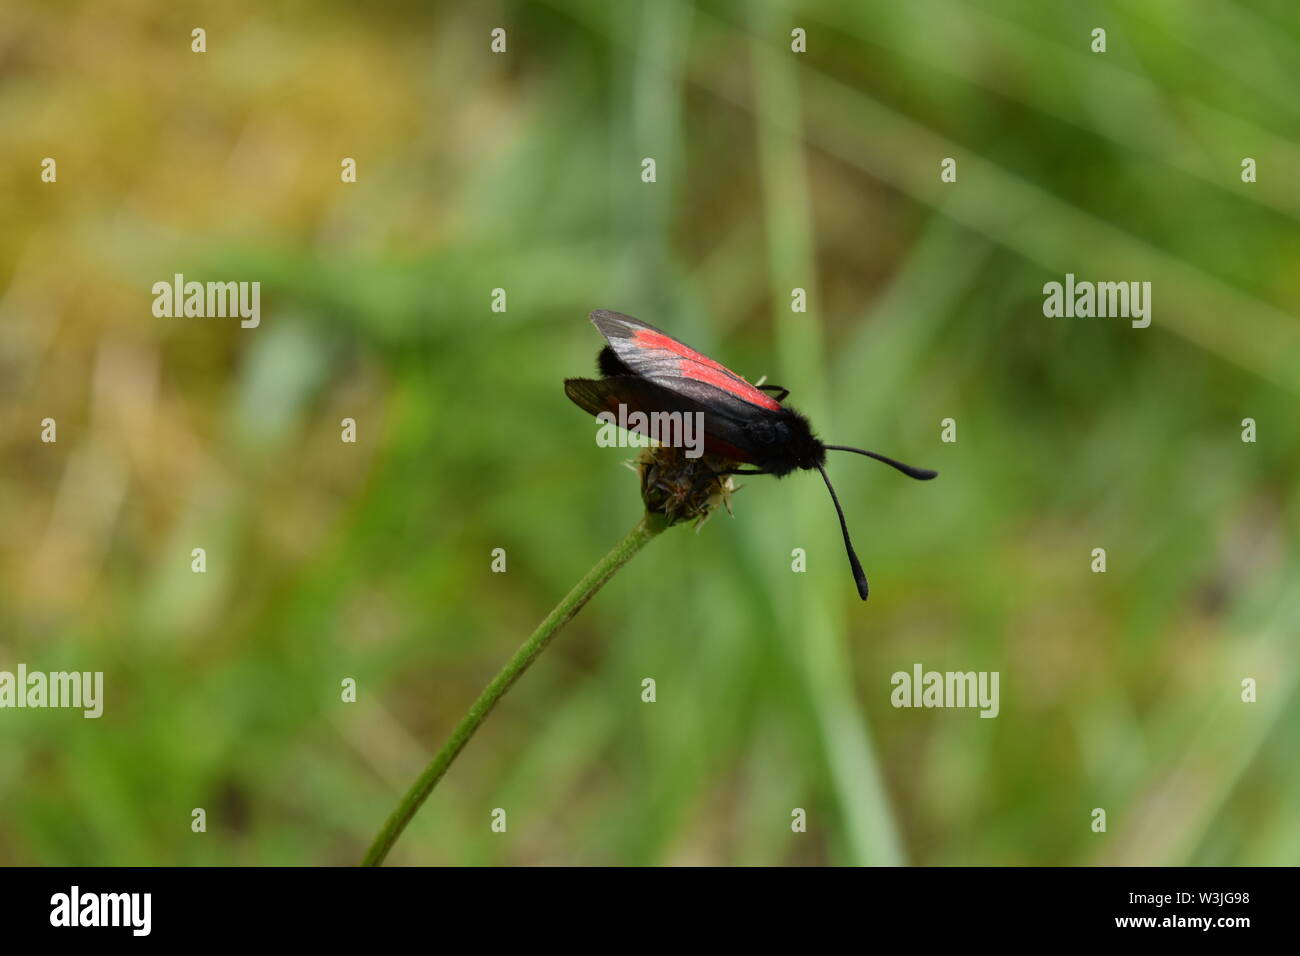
[(858, 574), (920, 474)]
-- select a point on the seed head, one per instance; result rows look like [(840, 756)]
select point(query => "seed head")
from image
[(682, 488)]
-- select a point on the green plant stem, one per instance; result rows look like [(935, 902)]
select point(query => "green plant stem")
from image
[(573, 602)]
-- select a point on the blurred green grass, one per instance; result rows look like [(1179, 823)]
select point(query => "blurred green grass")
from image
[(372, 561)]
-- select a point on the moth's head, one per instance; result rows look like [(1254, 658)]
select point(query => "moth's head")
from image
[(786, 443), (806, 450)]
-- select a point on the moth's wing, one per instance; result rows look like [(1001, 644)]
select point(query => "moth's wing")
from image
[(659, 357), (724, 434), (598, 395), (617, 325)]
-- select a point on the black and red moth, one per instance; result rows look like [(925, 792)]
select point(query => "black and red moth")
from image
[(647, 370)]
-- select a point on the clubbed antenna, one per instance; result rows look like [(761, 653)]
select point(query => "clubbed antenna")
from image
[(859, 575), (920, 474)]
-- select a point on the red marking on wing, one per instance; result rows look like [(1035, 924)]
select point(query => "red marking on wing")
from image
[(716, 446), (646, 338), (729, 382), (712, 372)]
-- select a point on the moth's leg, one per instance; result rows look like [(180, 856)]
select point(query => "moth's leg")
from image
[(715, 475), (776, 388)]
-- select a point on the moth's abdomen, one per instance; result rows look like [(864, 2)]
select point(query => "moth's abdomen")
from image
[(609, 364)]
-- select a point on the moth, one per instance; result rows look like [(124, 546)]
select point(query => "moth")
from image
[(645, 369)]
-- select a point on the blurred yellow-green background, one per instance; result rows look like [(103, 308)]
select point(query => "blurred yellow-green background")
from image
[(775, 170)]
